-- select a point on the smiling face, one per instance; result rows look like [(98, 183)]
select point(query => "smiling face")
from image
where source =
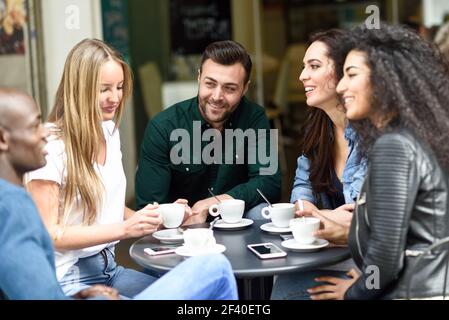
[(220, 90), (355, 87), (111, 88), (318, 76)]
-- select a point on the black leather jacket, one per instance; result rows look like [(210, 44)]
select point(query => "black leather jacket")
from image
[(401, 210)]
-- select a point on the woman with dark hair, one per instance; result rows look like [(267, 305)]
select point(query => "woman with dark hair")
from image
[(395, 90), (330, 171)]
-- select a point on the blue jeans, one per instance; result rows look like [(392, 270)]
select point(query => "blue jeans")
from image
[(294, 286), (207, 277), (102, 269), (255, 212)]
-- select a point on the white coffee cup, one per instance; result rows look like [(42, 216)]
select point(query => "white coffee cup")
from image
[(231, 211), (280, 214), (199, 239), (172, 214), (304, 228)]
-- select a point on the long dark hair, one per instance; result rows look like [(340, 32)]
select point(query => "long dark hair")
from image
[(318, 132), (410, 83)]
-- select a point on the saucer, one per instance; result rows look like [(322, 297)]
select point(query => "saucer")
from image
[(270, 227), (220, 224), (185, 252), (169, 236), (293, 245)]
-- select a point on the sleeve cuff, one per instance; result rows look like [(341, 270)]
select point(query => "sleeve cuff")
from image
[(303, 194)]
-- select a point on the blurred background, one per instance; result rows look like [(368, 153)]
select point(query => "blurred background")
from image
[(163, 41)]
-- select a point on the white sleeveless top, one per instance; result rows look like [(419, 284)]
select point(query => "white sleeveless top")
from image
[(113, 178)]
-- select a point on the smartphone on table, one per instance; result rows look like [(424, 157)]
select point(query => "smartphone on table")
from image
[(156, 251), (267, 250)]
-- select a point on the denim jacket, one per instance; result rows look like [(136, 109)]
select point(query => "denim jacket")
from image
[(353, 176), (27, 267)]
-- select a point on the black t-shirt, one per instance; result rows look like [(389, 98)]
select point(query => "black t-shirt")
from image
[(337, 198)]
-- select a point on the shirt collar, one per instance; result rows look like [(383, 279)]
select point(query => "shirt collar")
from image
[(108, 127), (350, 133)]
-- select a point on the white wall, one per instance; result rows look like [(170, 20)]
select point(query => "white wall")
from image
[(15, 73), (61, 33), (434, 11)]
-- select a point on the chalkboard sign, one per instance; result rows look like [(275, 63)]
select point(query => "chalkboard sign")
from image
[(196, 23)]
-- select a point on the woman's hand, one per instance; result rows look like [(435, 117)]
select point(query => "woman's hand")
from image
[(335, 289), (333, 231), (343, 214), (143, 222)]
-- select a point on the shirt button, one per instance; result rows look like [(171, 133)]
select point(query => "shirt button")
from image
[(187, 169), (212, 189)]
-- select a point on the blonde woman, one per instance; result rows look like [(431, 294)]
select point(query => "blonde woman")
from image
[(80, 193)]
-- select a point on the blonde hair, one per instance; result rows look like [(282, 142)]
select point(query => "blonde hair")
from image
[(78, 117)]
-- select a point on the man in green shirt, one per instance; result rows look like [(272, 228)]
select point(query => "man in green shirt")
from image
[(218, 140)]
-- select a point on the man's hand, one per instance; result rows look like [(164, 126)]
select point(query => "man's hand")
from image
[(200, 210), (335, 289), (98, 290)]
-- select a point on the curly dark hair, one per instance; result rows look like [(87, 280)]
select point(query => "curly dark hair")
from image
[(318, 139), (410, 82)]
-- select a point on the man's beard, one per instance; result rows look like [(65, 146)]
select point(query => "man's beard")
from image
[(226, 115)]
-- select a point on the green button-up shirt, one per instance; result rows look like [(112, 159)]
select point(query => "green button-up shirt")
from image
[(167, 172)]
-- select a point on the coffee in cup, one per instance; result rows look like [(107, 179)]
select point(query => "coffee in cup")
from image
[(172, 214), (231, 211), (303, 229), (280, 214), (199, 239)]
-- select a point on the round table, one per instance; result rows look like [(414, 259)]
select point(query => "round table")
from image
[(244, 263)]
